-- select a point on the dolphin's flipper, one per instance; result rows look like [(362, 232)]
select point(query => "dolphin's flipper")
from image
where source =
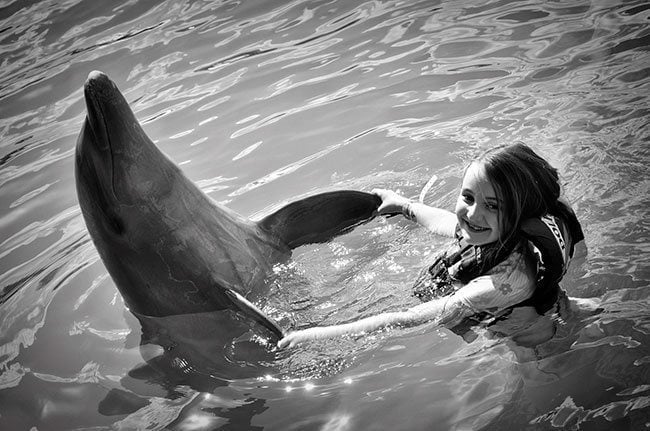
[(320, 217), (249, 309)]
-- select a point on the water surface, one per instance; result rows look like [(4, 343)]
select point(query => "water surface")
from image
[(264, 102)]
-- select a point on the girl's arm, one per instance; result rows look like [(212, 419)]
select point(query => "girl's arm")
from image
[(448, 310), (437, 220), (511, 285)]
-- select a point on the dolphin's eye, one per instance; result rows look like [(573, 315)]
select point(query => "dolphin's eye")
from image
[(116, 224)]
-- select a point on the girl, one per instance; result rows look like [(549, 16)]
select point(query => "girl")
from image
[(514, 238)]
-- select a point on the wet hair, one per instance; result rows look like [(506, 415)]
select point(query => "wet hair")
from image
[(525, 184)]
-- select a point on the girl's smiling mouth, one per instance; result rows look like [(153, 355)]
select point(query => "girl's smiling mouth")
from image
[(474, 227)]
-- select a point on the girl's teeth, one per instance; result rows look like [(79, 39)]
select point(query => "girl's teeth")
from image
[(474, 227)]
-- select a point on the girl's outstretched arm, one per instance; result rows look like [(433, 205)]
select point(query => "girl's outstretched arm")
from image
[(443, 310), (437, 220)]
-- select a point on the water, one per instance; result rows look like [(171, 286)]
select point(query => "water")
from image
[(264, 102)]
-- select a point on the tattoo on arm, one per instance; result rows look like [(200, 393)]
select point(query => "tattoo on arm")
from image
[(505, 288)]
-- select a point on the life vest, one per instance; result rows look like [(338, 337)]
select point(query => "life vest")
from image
[(553, 238)]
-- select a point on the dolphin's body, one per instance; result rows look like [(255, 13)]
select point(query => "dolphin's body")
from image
[(169, 248)]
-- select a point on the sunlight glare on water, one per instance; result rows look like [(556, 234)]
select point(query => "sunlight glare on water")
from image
[(261, 103)]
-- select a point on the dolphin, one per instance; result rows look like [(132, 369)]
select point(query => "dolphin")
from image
[(169, 248)]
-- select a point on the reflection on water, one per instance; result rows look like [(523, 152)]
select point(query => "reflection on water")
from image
[(262, 102)]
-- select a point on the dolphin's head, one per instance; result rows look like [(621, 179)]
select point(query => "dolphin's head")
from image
[(124, 185), (117, 165)]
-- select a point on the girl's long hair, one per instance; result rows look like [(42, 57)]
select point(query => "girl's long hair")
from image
[(526, 186)]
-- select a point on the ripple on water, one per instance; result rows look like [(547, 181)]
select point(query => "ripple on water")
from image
[(268, 101)]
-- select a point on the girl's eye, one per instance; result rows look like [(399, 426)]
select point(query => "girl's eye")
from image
[(468, 198), (492, 206)]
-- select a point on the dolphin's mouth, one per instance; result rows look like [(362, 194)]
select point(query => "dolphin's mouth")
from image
[(96, 95)]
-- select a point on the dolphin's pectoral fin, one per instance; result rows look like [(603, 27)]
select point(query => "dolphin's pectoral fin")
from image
[(251, 311), (320, 217)]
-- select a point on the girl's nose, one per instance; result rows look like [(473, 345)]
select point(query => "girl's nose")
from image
[(473, 212)]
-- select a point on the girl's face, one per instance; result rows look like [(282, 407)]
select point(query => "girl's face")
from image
[(478, 208)]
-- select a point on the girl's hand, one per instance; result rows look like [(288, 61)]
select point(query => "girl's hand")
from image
[(290, 340), (392, 203), (295, 337)]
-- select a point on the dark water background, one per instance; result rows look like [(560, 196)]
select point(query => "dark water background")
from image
[(263, 102)]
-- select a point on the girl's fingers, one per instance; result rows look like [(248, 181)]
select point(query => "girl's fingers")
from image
[(284, 342), (288, 341), (382, 193), (391, 202)]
